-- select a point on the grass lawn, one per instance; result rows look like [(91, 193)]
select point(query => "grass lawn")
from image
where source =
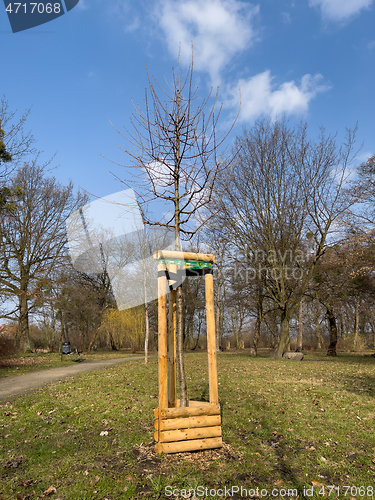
[(286, 425), (30, 362)]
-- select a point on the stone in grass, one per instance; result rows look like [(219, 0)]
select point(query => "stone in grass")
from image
[(296, 356)]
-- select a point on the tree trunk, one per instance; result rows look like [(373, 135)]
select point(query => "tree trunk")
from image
[(91, 344), (356, 323), (300, 328), (373, 332), (199, 333), (190, 335), (147, 332), (23, 321), (284, 341), (218, 314), (258, 324), (318, 334), (61, 332), (236, 328), (180, 343), (332, 332), (112, 341)]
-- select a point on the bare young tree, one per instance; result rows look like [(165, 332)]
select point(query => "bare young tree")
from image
[(174, 150)]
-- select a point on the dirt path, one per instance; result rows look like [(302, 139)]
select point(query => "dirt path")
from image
[(11, 386)]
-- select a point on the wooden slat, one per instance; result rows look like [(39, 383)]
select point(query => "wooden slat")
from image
[(191, 411), (187, 423), (185, 434), (192, 445), (196, 404)]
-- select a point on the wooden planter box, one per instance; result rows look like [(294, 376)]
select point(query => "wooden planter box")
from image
[(197, 427)]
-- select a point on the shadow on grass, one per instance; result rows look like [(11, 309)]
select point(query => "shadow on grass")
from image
[(361, 385), (278, 443)]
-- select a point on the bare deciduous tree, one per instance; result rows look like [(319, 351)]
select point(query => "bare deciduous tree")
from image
[(15, 143), (174, 150), (282, 200), (33, 240)]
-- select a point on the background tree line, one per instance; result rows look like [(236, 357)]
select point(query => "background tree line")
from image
[(291, 229)]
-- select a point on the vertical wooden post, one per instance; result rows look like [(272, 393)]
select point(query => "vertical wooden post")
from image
[(162, 339), (211, 343), (172, 350)]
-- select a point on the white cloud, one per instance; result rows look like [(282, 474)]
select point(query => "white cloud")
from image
[(261, 97), (286, 18), (219, 30), (126, 12), (133, 26), (160, 175), (363, 157), (340, 10)]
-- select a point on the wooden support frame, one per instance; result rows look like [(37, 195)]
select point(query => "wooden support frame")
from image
[(198, 426)]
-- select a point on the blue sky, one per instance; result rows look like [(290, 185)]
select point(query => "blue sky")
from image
[(310, 59)]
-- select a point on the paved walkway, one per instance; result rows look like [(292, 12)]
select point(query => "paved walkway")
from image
[(11, 386)]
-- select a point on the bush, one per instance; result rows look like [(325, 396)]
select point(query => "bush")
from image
[(348, 343), (7, 347)]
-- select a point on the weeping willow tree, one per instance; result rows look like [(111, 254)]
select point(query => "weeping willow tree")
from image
[(124, 328)]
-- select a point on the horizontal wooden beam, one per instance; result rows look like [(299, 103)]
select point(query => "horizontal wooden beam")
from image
[(187, 423), (190, 411), (192, 445), (202, 257), (185, 434)]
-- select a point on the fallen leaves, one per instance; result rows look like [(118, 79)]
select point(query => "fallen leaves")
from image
[(316, 484), (50, 491), (95, 480), (14, 462), (25, 484)]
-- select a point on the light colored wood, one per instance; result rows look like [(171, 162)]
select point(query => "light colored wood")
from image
[(187, 423), (191, 445), (172, 350), (197, 427), (197, 403), (194, 403), (185, 434), (162, 342), (202, 257), (191, 411), (211, 342)]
